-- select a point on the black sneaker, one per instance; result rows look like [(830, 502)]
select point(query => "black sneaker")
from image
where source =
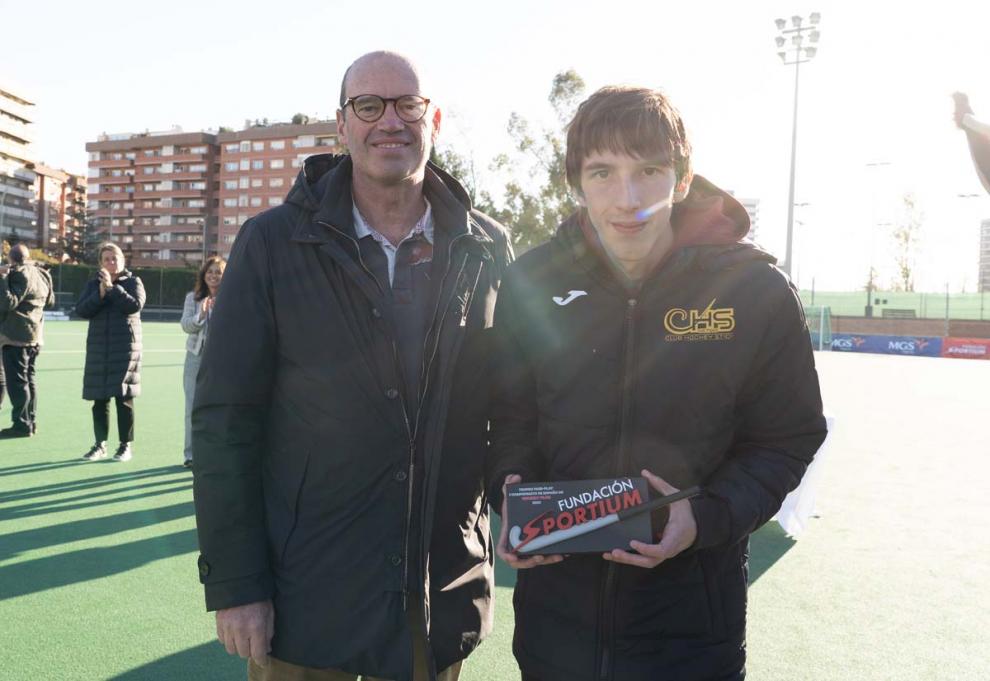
[(14, 432), (123, 452), (97, 451)]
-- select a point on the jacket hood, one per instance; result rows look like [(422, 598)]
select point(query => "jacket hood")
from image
[(710, 228)]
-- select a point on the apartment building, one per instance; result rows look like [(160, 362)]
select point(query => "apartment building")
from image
[(60, 205), (16, 178), (258, 166), (170, 198), (152, 194)]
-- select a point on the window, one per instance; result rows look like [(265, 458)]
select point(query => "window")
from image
[(245, 164), (149, 170), (196, 203), (231, 148), (243, 184), (229, 238), (277, 144), (230, 220), (325, 141), (230, 166), (257, 182), (276, 182), (130, 155), (197, 185), (257, 164), (277, 163), (230, 184), (242, 200), (197, 168), (296, 162), (245, 146), (149, 187), (128, 239), (255, 201), (258, 146), (230, 203), (274, 200), (197, 150)]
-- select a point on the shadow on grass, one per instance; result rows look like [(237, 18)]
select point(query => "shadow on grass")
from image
[(766, 546), (60, 505), (207, 662), (85, 565), (16, 543), (39, 467), (67, 486)]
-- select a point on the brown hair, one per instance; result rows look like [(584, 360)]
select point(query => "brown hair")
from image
[(110, 246), (634, 121), (202, 290)]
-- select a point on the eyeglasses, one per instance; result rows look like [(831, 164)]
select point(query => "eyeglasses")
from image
[(369, 108)]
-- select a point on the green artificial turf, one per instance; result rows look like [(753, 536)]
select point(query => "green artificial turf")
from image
[(98, 560)]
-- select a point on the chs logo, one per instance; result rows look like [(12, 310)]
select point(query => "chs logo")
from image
[(712, 323)]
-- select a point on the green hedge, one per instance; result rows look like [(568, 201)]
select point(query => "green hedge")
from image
[(164, 286)]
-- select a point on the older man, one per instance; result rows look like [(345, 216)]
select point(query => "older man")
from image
[(341, 410), (25, 291)]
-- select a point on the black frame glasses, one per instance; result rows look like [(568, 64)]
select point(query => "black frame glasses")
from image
[(397, 102)]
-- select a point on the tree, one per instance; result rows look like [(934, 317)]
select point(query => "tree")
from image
[(300, 119), (907, 235), (533, 215)]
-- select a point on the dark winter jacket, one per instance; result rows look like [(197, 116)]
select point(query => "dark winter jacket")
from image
[(113, 341), (304, 448), (705, 376), (24, 294)]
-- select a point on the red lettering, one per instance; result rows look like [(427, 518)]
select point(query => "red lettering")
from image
[(565, 520), (548, 524), (618, 504), (580, 515), (630, 499)]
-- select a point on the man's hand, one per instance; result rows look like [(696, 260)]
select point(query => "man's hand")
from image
[(247, 630), (679, 533), (503, 550), (962, 107)]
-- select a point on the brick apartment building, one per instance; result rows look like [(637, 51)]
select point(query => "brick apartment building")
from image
[(169, 198), (60, 204), (16, 177)]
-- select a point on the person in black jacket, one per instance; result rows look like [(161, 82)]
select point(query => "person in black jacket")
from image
[(112, 303), (648, 338), (341, 410)]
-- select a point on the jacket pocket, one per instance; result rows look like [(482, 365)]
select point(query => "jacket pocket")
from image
[(710, 567)]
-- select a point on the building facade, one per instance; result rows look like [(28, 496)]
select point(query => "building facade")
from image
[(984, 274), (172, 198), (60, 211), (16, 178)]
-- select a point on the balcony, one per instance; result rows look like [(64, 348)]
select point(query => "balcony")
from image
[(112, 179), (106, 213), (111, 163)]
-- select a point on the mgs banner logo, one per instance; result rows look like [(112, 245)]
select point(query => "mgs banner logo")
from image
[(711, 324)]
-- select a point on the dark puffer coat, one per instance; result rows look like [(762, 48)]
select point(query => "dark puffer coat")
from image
[(113, 343)]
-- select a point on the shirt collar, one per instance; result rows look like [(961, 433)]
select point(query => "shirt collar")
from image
[(424, 226)]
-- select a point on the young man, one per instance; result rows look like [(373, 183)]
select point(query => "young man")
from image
[(341, 411), (648, 337)]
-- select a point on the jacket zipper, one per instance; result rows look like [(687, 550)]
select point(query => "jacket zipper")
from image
[(412, 429), (622, 461)]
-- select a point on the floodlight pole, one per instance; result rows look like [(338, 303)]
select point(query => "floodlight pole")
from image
[(801, 55)]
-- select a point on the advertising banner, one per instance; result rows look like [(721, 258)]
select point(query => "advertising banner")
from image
[(966, 348), (916, 346)]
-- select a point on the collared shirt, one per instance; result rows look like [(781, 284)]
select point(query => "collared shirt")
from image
[(423, 229)]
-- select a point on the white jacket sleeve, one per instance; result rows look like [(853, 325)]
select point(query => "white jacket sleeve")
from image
[(191, 321)]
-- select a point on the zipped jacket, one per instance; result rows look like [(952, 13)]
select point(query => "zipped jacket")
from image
[(24, 294), (703, 375), (306, 476), (113, 337)]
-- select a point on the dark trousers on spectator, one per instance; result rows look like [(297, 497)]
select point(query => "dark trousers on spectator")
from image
[(125, 419), (18, 366)]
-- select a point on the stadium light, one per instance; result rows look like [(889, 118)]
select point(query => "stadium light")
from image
[(799, 53)]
